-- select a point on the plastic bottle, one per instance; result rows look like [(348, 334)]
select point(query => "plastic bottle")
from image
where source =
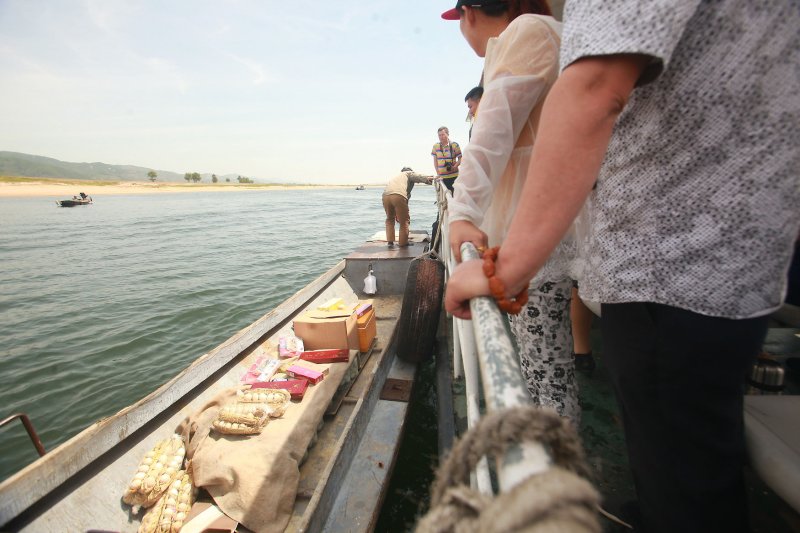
[(370, 283)]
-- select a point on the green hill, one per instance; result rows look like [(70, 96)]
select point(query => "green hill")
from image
[(36, 166)]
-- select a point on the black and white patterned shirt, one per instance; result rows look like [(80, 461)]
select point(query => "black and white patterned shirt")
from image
[(697, 203)]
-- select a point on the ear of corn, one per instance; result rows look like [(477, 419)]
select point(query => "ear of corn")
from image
[(170, 511), (251, 411), (157, 470)]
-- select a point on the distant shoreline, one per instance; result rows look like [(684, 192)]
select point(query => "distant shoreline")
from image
[(63, 189)]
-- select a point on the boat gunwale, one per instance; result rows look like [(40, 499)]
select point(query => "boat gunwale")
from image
[(322, 501), (35, 481)]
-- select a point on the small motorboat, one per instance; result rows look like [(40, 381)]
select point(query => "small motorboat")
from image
[(359, 187), (81, 199)]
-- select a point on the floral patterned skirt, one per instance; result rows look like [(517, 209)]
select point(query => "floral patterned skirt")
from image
[(543, 332)]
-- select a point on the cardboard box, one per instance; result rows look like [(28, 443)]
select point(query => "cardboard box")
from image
[(301, 372), (367, 329), (206, 517), (323, 330), (322, 368), (326, 356)]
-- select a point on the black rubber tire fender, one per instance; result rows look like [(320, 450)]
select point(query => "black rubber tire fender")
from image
[(422, 305)]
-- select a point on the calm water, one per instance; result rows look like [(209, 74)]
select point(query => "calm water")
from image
[(100, 305)]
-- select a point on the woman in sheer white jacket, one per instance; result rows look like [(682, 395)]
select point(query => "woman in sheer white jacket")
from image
[(520, 42)]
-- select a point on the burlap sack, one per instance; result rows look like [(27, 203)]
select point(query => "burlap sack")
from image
[(253, 479)]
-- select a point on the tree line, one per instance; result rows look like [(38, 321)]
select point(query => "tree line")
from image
[(196, 177)]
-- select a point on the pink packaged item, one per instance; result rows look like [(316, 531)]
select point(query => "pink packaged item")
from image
[(312, 376), (290, 346), (261, 372)]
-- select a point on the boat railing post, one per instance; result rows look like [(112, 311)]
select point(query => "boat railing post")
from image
[(442, 194), (481, 477), (28, 425), (503, 385)]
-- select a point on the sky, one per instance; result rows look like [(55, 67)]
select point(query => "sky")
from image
[(305, 91)]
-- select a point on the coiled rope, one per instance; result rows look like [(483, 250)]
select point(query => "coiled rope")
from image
[(556, 500)]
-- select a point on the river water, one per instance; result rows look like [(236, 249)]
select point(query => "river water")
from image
[(102, 304)]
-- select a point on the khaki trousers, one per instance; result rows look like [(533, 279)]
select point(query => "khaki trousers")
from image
[(396, 208)]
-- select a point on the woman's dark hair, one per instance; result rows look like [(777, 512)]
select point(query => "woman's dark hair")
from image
[(515, 8)]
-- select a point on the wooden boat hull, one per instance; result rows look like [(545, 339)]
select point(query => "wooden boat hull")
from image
[(78, 486)]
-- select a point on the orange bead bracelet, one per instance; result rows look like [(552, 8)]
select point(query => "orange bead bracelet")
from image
[(511, 306)]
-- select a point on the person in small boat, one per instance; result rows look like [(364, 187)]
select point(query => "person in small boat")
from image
[(395, 203), (446, 158), (519, 40), (83, 196), (675, 120)]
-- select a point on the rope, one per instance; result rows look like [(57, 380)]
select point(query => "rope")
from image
[(441, 201), (556, 500)]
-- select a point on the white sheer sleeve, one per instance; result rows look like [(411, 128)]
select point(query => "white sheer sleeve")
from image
[(519, 69)]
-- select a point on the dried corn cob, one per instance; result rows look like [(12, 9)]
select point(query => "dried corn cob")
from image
[(253, 414), (275, 398), (158, 469), (169, 513), (278, 400), (236, 428), (249, 413)]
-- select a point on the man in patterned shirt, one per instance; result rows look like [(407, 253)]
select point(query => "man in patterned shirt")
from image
[(446, 158), (679, 120)]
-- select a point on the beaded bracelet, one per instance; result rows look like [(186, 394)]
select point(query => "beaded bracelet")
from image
[(510, 306)]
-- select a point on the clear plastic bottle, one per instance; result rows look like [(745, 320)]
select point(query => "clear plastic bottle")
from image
[(370, 283)]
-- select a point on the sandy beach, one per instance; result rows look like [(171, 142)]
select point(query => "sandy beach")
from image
[(64, 190)]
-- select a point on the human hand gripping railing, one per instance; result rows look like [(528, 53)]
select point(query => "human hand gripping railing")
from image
[(486, 350), (503, 385)]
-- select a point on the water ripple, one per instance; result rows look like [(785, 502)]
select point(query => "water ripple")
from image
[(100, 305)]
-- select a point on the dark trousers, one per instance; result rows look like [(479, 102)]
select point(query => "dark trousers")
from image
[(793, 291), (679, 379), (448, 182)]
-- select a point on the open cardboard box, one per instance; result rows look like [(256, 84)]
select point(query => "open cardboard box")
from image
[(322, 330)]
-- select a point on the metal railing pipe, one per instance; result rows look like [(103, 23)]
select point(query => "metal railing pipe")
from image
[(28, 425), (503, 385), (472, 386)]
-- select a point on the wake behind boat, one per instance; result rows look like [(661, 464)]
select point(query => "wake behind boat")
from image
[(80, 199)]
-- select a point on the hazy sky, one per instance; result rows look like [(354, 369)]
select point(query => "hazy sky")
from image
[(346, 91)]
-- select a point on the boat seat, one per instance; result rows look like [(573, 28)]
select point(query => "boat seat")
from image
[(773, 443)]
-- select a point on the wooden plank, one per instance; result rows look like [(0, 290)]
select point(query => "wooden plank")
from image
[(41, 477), (347, 382), (357, 504), (322, 501), (363, 357)]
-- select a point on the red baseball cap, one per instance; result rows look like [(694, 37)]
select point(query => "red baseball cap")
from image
[(455, 13)]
